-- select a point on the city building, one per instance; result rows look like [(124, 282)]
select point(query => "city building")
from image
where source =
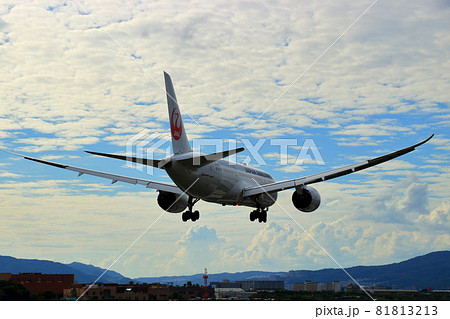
[(255, 285), (317, 286), (105, 291), (191, 292), (251, 285), (39, 283), (352, 288), (225, 284), (232, 294), (5, 276)]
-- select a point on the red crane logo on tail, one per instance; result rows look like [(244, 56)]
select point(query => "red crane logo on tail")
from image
[(176, 124)]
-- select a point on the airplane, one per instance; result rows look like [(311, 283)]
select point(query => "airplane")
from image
[(211, 178)]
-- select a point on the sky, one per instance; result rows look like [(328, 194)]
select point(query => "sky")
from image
[(355, 79)]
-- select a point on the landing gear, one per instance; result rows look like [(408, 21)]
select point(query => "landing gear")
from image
[(260, 214), (189, 214), (194, 216)]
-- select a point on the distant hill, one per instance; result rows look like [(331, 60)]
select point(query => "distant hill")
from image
[(83, 273), (431, 270), (198, 278)]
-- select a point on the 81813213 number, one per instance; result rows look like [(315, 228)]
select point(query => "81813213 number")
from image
[(406, 311)]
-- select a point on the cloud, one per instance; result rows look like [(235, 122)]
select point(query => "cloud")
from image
[(397, 203), (291, 169), (443, 143), (199, 247), (347, 241), (438, 218), (75, 67), (50, 144), (272, 246), (416, 199), (66, 84), (377, 129), (9, 175)]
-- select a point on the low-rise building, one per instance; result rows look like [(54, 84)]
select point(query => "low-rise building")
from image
[(250, 285), (232, 294), (191, 292), (255, 285), (352, 288), (5, 276), (136, 292), (317, 286), (39, 283), (105, 291), (225, 284)]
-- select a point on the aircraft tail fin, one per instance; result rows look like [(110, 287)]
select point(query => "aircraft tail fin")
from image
[(180, 142)]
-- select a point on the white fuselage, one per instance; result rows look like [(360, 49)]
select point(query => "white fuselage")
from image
[(220, 182)]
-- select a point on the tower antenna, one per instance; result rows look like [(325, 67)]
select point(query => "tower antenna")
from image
[(205, 284)]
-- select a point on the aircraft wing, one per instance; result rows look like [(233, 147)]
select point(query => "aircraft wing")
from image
[(280, 186), (160, 186)]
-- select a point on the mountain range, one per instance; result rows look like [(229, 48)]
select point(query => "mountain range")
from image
[(83, 273), (430, 270)]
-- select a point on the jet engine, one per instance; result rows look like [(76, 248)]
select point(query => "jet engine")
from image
[(306, 199), (171, 202)]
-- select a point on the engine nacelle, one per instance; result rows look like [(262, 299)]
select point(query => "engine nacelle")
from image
[(306, 199), (172, 203)]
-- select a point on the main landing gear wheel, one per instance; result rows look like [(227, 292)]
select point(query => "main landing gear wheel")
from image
[(194, 216), (259, 214), (189, 214)]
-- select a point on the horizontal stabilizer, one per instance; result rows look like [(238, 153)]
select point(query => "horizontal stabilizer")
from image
[(143, 161), (200, 160)]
